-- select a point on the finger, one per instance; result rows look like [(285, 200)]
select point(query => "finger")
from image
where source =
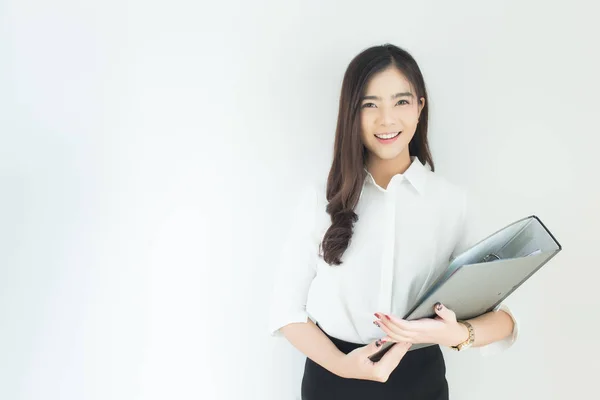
[(402, 324), (397, 335), (392, 358), (392, 330), (444, 312), (374, 347), (391, 339)]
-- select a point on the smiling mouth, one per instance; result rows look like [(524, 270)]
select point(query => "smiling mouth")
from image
[(386, 136)]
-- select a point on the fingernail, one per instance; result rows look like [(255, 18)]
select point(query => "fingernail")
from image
[(388, 317), (378, 343), (438, 306), (377, 323), (376, 315)]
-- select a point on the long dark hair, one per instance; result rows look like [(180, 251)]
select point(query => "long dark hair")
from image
[(347, 174)]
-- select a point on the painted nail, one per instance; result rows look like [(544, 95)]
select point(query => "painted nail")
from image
[(377, 324), (376, 315), (388, 317), (438, 306)]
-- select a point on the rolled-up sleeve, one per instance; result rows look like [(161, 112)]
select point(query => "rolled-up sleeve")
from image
[(503, 344), (296, 264), (471, 232)]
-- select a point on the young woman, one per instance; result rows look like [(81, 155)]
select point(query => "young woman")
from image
[(364, 245)]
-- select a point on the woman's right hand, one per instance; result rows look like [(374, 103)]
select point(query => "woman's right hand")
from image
[(357, 364)]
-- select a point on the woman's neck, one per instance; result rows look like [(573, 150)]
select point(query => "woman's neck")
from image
[(383, 170)]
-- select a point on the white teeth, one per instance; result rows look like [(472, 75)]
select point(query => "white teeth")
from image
[(388, 135)]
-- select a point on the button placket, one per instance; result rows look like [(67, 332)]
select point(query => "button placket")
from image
[(387, 258)]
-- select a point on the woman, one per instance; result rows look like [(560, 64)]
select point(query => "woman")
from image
[(363, 247)]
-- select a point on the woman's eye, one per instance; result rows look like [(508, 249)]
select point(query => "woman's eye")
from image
[(371, 105)]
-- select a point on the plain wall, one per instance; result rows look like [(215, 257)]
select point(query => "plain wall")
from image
[(150, 153)]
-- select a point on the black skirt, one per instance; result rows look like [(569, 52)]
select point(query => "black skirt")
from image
[(421, 374)]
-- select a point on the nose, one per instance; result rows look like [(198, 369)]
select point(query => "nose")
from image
[(386, 117)]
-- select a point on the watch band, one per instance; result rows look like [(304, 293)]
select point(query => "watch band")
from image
[(467, 343)]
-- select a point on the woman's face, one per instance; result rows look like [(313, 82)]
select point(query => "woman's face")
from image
[(389, 114)]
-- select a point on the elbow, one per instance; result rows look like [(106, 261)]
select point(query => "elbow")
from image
[(510, 329)]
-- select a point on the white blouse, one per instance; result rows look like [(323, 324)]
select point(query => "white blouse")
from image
[(404, 238)]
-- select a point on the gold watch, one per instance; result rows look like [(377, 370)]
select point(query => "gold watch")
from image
[(467, 343)]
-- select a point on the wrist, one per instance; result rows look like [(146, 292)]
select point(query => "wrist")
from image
[(469, 341), (338, 365), (462, 334)]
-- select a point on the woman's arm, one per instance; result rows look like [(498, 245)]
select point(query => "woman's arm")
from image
[(490, 327), (310, 340), (492, 330)]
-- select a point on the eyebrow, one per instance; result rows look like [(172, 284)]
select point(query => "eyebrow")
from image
[(395, 96)]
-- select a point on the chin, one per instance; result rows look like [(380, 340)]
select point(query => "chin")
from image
[(388, 155)]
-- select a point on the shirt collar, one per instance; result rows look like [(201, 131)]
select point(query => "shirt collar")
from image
[(415, 174)]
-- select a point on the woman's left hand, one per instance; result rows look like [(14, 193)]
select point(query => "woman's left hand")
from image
[(443, 329)]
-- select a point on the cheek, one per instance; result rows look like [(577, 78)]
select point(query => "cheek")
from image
[(365, 126), (364, 119), (410, 124), (409, 138)]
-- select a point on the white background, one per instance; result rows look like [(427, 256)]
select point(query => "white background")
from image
[(150, 152)]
